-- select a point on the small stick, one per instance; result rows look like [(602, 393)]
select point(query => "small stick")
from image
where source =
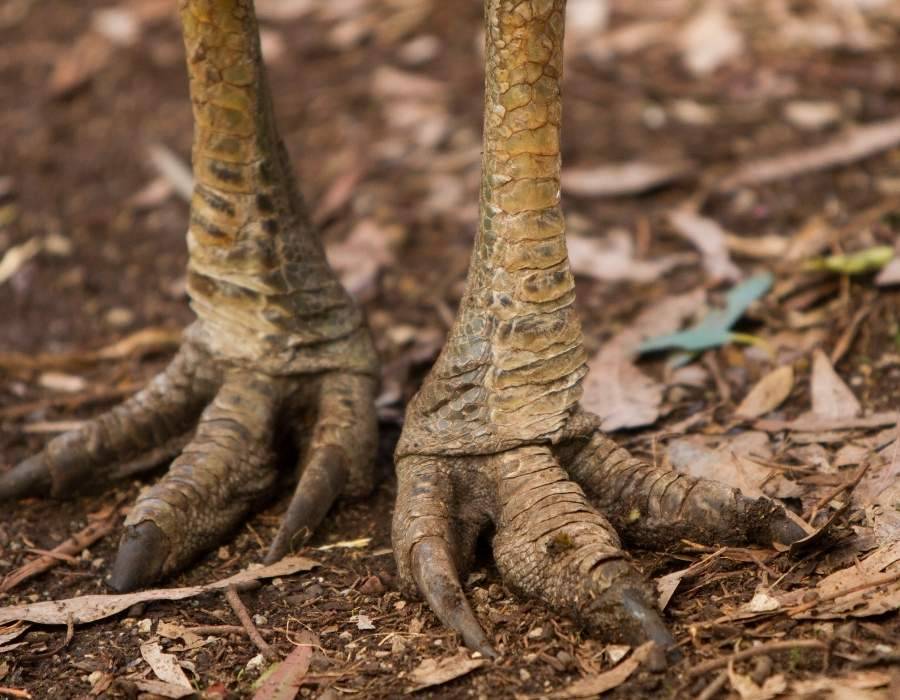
[(722, 661), (714, 687), (878, 581), (222, 629), (104, 522), (15, 692), (839, 489), (234, 600)]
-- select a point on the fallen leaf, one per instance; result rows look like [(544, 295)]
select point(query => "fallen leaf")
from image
[(165, 666), (360, 257), (729, 464), (715, 328), (163, 689), (709, 39), (831, 397), (90, 608), (772, 687), (615, 389), (598, 683), (8, 634), (79, 62), (616, 180), (611, 259), (859, 685), (431, 672), (856, 144), (816, 424), (768, 394), (710, 239), (59, 381), (345, 544), (811, 115), (364, 622), (16, 256), (770, 246), (762, 602), (286, 677), (858, 263), (890, 274)]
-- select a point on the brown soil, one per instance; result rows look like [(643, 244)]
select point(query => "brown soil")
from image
[(76, 159)]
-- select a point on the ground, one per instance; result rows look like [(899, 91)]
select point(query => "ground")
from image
[(380, 105)]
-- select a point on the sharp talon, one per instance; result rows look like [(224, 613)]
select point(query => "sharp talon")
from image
[(29, 478), (435, 574), (648, 620), (320, 485), (141, 556)]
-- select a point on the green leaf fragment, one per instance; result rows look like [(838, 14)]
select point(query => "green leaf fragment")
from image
[(858, 263), (715, 329)]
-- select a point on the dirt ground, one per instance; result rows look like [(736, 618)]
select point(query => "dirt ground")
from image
[(380, 104)]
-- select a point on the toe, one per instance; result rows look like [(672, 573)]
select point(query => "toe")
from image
[(552, 544), (338, 458), (217, 479)]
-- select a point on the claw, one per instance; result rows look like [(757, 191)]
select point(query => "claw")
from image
[(321, 484), (139, 561), (28, 478), (435, 574)]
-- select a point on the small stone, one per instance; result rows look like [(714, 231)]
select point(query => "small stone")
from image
[(255, 663), (260, 620), (524, 675), (535, 633), (119, 317), (143, 627)]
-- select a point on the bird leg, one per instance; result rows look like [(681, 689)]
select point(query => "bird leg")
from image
[(278, 345), (494, 441)]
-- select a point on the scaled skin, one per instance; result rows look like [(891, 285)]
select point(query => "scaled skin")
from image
[(279, 347), (495, 440)]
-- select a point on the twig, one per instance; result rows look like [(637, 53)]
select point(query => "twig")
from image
[(872, 583), (15, 692), (223, 629), (714, 687), (104, 522), (847, 486), (846, 340), (234, 600), (723, 661)]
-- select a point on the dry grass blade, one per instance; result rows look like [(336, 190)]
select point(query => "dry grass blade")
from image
[(854, 145), (768, 648)]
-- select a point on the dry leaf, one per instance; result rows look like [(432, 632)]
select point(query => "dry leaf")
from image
[(165, 666), (360, 257), (173, 169), (285, 680), (809, 423), (78, 63), (770, 246), (59, 381), (748, 690), (856, 144), (433, 672), (621, 179), (709, 39), (612, 259), (89, 608), (812, 116), (890, 273), (710, 239), (16, 256), (163, 690), (831, 398), (768, 394), (615, 389), (595, 684)]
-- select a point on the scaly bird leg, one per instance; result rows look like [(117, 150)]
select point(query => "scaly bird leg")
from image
[(495, 440), (278, 343)]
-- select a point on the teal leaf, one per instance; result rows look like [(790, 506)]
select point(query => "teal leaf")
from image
[(715, 328)]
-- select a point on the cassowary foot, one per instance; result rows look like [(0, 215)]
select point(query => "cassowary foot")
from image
[(554, 513), (222, 422)]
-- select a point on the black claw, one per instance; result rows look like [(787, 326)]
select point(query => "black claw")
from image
[(29, 478), (785, 530), (142, 553), (435, 573), (652, 628)]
